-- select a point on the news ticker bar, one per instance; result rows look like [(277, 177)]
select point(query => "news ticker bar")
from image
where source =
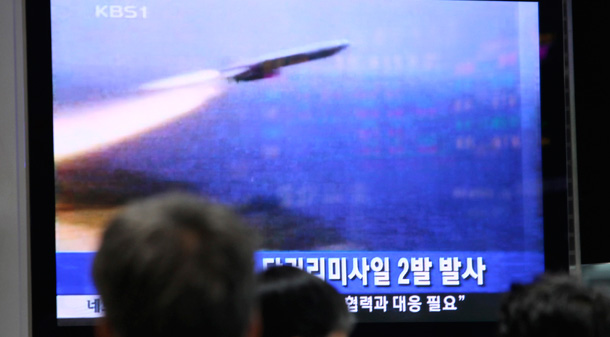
[(79, 306), (368, 308)]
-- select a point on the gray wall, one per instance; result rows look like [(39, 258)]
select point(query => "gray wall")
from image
[(14, 274)]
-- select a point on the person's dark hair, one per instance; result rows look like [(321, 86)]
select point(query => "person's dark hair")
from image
[(176, 265), (296, 303), (554, 306)]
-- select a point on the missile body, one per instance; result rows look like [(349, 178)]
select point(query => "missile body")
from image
[(269, 65)]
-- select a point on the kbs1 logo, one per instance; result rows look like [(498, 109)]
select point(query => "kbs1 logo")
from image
[(121, 12)]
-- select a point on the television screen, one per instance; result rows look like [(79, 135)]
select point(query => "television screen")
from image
[(393, 150)]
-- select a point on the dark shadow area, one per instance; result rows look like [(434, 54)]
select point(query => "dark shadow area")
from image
[(285, 229)]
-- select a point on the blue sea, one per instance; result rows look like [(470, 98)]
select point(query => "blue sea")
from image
[(376, 163)]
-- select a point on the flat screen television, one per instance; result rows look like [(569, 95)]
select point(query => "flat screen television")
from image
[(411, 153)]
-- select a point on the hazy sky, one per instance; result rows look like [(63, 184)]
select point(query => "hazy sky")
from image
[(169, 37)]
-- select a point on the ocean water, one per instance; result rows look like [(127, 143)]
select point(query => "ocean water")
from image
[(365, 163)]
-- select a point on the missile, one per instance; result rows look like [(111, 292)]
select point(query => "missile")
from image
[(268, 65)]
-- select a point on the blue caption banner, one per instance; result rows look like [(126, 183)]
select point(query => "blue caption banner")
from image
[(365, 272)]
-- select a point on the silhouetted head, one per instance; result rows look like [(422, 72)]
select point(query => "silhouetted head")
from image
[(294, 303), (554, 306), (176, 265)]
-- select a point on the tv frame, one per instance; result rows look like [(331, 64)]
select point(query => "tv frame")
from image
[(557, 191)]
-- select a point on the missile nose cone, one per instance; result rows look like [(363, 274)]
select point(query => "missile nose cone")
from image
[(344, 43)]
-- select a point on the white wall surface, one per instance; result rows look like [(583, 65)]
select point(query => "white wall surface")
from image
[(14, 280)]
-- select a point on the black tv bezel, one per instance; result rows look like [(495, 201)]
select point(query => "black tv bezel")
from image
[(555, 158)]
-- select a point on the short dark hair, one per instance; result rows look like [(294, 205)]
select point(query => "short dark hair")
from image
[(296, 303), (176, 265), (554, 305)]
